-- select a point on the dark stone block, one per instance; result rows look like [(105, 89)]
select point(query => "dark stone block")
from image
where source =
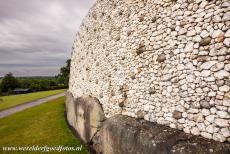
[(126, 135)]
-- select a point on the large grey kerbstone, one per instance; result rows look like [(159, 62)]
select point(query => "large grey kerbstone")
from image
[(85, 115), (125, 135)]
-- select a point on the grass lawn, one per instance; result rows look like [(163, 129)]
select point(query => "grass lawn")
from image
[(13, 100), (42, 125)]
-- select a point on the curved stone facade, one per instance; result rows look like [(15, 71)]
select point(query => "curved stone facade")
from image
[(167, 61)]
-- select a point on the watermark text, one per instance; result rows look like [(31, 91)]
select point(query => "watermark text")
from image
[(45, 148)]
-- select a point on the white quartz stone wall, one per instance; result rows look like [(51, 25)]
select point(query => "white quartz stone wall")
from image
[(166, 61)]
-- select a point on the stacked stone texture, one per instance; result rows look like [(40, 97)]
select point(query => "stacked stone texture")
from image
[(167, 61)]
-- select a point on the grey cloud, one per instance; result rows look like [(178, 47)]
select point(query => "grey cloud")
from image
[(36, 35)]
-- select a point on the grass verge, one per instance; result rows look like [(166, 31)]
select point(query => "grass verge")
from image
[(42, 125), (13, 100)]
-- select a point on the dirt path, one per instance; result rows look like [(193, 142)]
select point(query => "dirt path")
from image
[(7, 112)]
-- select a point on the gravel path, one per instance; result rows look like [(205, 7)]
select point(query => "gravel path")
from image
[(18, 108)]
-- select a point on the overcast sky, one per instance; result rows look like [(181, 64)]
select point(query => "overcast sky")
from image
[(36, 36)]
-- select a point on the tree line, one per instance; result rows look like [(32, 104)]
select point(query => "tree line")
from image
[(8, 83)]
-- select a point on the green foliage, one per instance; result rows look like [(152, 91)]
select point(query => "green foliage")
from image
[(35, 87), (63, 76), (38, 83), (42, 125), (9, 83), (41, 83)]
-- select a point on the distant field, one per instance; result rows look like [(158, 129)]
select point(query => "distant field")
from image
[(43, 125), (13, 100)]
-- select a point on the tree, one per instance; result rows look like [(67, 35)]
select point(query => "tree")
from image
[(35, 87), (63, 76), (9, 83), (25, 83)]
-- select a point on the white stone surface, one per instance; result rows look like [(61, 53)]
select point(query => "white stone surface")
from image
[(210, 118), (206, 135), (195, 131), (217, 33), (116, 56), (221, 122), (227, 34), (221, 74), (224, 88), (217, 66), (208, 65), (227, 42)]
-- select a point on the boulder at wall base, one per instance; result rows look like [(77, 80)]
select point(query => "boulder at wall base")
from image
[(85, 115), (125, 135), (70, 109)]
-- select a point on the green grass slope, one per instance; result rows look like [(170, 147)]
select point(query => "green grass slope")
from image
[(13, 100), (43, 125)]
